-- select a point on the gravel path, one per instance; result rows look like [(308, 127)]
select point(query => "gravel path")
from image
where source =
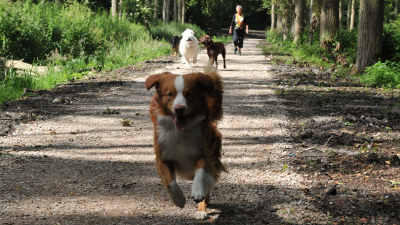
[(82, 166)]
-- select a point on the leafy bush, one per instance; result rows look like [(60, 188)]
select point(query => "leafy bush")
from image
[(138, 12), (167, 30), (382, 74), (348, 43), (391, 41)]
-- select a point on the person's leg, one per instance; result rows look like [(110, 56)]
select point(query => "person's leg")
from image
[(235, 40), (240, 41)]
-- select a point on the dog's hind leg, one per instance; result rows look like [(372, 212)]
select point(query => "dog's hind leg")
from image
[(201, 213), (195, 59), (167, 175), (216, 63), (223, 53)]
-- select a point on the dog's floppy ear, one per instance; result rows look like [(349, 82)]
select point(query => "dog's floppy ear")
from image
[(201, 39), (206, 83), (155, 80)]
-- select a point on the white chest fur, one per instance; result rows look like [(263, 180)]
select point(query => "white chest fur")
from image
[(181, 146)]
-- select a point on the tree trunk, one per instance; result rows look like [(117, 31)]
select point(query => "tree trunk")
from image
[(370, 33), (164, 11), (348, 13), (279, 24), (183, 10), (19, 65), (353, 13), (120, 9), (273, 16), (155, 15), (114, 8), (340, 13), (396, 8), (298, 25), (179, 10), (329, 19), (168, 9), (313, 22), (175, 11)]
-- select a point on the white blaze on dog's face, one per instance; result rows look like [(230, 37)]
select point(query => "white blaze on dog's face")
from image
[(183, 97), (179, 105)]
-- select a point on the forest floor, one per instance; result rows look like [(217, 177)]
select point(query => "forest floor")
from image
[(300, 147)]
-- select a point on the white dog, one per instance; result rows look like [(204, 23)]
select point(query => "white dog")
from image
[(189, 47)]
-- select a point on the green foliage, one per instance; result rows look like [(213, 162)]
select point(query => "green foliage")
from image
[(382, 74), (301, 51), (167, 30), (216, 14), (348, 43), (13, 84), (138, 11), (391, 41), (71, 37)]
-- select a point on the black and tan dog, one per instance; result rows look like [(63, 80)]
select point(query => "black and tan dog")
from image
[(213, 49), (175, 44)]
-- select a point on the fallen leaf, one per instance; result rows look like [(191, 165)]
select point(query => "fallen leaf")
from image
[(363, 220), (387, 162)]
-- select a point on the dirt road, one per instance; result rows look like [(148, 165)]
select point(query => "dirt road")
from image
[(70, 160)]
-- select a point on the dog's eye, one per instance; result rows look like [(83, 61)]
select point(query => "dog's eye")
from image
[(169, 94), (188, 95)]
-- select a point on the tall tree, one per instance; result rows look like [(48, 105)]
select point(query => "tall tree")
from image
[(396, 8), (120, 9), (279, 21), (175, 11), (329, 19), (348, 13), (313, 21), (183, 10), (353, 14), (340, 13), (179, 10), (272, 15), (114, 8), (166, 11), (370, 33), (298, 25), (155, 15)]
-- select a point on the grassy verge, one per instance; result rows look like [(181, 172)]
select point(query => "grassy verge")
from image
[(339, 55), (76, 40)]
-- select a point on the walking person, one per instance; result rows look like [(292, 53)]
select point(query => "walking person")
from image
[(239, 22)]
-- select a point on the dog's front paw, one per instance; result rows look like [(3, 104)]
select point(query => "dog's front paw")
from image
[(176, 194), (202, 185), (200, 215), (198, 192)]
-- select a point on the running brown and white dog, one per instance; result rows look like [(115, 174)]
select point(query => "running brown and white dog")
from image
[(175, 40), (184, 111), (213, 49)]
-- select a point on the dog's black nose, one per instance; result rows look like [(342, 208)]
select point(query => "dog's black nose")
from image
[(180, 110)]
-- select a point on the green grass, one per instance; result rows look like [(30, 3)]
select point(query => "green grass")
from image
[(168, 30), (382, 74), (74, 39)]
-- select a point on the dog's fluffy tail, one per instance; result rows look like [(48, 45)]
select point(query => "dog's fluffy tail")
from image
[(215, 104)]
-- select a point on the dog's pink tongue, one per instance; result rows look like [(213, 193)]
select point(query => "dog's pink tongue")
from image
[(180, 122)]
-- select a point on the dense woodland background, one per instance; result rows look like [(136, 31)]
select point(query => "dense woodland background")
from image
[(72, 38)]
